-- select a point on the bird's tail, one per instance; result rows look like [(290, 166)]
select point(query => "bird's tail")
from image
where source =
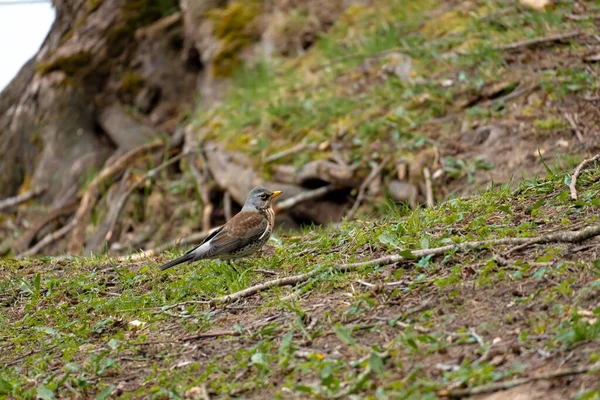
[(180, 260)]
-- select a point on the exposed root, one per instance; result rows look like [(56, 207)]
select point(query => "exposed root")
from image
[(363, 188), (22, 198), (84, 212)]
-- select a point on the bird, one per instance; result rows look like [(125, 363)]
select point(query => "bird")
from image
[(241, 236)]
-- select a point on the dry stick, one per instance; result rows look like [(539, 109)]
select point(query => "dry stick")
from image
[(571, 119), (22, 198), (83, 214), (53, 214), (116, 211), (295, 149), (538, 41), (573, 184), (364, 186), (302, 197), (497, 386), (48, 239), (564, 236), (428, 187)]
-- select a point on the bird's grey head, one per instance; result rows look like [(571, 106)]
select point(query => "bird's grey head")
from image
[(260, 199)]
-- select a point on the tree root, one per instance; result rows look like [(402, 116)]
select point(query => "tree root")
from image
[(22, 198), (84, 212)]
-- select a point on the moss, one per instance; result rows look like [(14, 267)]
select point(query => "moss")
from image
[(70, 64), (233, 25), (131, 83)]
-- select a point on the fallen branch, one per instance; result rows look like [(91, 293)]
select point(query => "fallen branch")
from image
[(292, 150), (497, 386), (22, 198), (580, 167), (48, 239), (84, 212), (302, 197), (364, 186), (538, 41), (564, 236)]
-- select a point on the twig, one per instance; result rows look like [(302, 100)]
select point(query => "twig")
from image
[(22, 198), (48, 239), (84, 212), (227, 206), (572, 120), (50, 216), (497, 386), (428, 187), (295, 149), (364, 186), (302, 197), (564, 236), (573, 183), (538, 41)]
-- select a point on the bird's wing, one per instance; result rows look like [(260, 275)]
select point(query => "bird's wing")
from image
[(209, 237), (244, 228)]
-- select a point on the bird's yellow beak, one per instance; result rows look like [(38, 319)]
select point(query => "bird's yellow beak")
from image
[(275, 194)]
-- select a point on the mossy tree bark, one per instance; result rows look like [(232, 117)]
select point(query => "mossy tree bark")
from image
[(99, 59)]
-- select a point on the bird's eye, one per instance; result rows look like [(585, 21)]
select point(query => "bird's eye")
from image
[(264, 196)]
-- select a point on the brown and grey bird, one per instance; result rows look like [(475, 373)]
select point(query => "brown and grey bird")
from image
[(241, 236)]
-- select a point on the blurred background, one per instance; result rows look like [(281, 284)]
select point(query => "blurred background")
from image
[(141, 124)]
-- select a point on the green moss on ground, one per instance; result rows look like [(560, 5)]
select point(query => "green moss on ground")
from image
[(103, 327)]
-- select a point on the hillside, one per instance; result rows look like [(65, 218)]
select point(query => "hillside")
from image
[(428, 244), (520, 305)]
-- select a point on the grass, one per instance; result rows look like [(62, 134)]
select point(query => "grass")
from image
[(68, 324), (339, 91), (103, 327)]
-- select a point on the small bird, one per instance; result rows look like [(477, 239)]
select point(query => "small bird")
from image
[(241, 236)]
